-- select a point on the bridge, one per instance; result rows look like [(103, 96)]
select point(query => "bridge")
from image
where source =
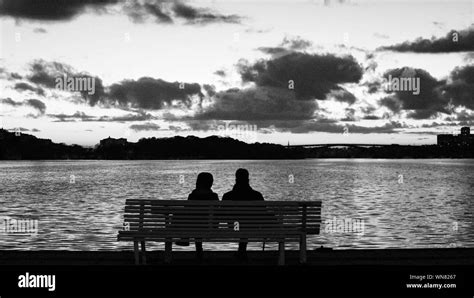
[(339, 145)]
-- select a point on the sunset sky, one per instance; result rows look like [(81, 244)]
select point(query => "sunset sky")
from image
[(236, 59)]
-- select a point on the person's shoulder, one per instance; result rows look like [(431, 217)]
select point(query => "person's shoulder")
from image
[(227, 196), (258, 195)]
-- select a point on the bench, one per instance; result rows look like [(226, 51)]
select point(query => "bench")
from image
[(169, 221)]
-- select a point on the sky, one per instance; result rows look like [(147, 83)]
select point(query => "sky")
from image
[(279, 71)]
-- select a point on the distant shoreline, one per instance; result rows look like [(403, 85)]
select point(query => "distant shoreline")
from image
[(27, 147)]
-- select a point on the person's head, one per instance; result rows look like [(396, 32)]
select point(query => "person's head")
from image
[(204, 180), (242, 176)]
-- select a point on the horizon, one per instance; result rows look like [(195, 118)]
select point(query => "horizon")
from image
[(224, 136), (305, 72)]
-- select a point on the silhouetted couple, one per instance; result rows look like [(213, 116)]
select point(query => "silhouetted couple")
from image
[(240, 192)]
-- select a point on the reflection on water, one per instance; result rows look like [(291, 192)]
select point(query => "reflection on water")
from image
[(403, 203)]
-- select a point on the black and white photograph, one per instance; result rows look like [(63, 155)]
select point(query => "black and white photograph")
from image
[(236, 148)]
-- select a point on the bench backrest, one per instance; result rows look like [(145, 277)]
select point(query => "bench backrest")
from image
[(206, 218)]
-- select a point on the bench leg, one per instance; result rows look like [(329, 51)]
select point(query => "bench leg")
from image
[(135, 250), (143, 252), (303, 249), (168, 250), (281, 257)]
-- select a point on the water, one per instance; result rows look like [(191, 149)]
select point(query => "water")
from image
[(403, 203)]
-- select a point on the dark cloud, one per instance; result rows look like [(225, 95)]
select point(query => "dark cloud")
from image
[(342, 95), (220, 73), (371, 117), (161, 11), (210, 89), (425, 105), (10, 102), (373, 87), (465, 116), (139, 11), (144, 93), (350, 115), (314, 76), (45, 74), (259, 103), (287, 46), (150, 93), (15, 76), (273, 50), (26, 86), (202, 16), (169, 11), (50, 10), (461, 87), (454, 41), (34, 103), (149, 126)]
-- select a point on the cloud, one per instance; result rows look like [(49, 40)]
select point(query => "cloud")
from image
[(15, 76), (220, 73), (342, 95), (25, 86), (45, 74), (328, 126), (22, 129), (424, 105), (305, 126), (144, 93), (461, 87), (287, 46), (454, 41), (72, 118), (50, 10), (34, 103), (371, 117), (139, 11), (10, 102), (83, 117), (202, 16), (168, 12), (40, 30), (161, 11), (150, 93), (314, 76), (258, 103), (149, 126)]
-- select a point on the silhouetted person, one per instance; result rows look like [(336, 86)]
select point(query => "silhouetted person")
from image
[(203, 192), (242, 192)]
